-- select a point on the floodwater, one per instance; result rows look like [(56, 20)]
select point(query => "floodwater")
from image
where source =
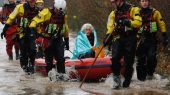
[(14, 82)]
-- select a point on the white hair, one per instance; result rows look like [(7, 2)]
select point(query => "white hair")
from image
[(60, 4), (87, 26)]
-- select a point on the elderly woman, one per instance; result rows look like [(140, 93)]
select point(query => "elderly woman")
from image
[(86, 42)]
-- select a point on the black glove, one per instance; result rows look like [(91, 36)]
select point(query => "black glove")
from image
[(32, 32), (124, 22), (110, 46), (66, 43), (127, 22), (164, 39), (3, 34), (107, 40)]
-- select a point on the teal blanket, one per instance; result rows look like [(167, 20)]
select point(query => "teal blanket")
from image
[(82, 44)]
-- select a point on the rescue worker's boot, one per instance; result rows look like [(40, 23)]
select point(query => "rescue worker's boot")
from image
[(63, 77), (25, 69), (31, 64), (48, 67), (117, 82), (17, 56), (141, 73), (32, 61), (10, 57), (141, 67), (24, 62), (31, 69), (126, 83), (150, 77), (128, 77)]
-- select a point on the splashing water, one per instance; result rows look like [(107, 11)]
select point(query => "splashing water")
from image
[(157, 82), (71, 75)]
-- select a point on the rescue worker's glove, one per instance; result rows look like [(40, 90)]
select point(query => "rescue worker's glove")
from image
[(66, 43), (110, 46), (32, 32), (125, 22), (164, 39), (107, 39), (3, 34)]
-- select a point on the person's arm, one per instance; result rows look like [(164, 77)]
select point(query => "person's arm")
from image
[(19, 10), (43, 16), (110, 28), (136, 20), (159, 20), (111, 23), (162, 27), (66, 32)]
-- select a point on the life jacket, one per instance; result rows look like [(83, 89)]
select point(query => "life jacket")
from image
[(121, 14), (7, 9), (149, 26), (29, 14), (25, 19), (56, 24)]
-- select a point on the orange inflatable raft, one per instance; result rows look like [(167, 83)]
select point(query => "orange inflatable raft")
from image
[(100, 69)]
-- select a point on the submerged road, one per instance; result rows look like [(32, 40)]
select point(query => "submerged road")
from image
[(14, 82)]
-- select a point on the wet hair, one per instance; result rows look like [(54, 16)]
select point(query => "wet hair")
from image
[(87, 26)]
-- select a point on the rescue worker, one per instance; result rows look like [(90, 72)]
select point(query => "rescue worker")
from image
[(122, 25), (40, 40), (10, 34), (152, 23), (24, 13), (53, 22), (86, 42)]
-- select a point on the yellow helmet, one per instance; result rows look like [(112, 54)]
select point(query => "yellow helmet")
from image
[(39, 1), (40, 4)]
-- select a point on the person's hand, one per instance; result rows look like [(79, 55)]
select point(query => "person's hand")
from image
[(3, 34), (66, 43), (93, 48), (32, 32), (67, 47), (110, 47), (107, 39), (164, 40), (125, 22)]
